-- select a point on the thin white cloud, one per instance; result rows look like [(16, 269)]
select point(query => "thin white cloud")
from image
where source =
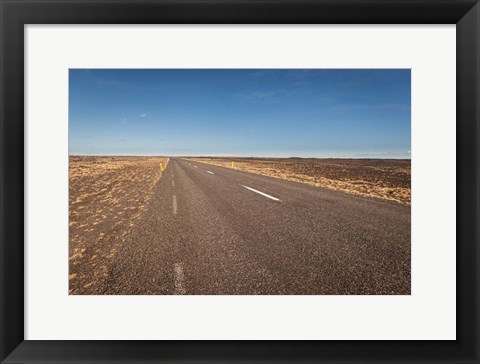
[(109, 83), (368, 106), (143, 115), (259, 96)]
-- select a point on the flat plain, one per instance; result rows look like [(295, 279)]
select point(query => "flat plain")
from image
[(387, 179), (106, 196), (140, 226)]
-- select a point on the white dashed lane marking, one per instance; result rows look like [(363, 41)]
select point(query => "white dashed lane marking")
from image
[(179, 279), (175, 207), (210, 172), (261, 193)]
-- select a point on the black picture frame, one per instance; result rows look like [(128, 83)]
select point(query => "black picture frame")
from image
[(17, 13)]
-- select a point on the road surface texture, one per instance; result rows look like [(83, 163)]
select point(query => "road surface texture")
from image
[(212, 230)]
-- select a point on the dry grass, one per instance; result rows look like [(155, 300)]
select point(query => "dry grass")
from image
[(107, 194), (380, 178)]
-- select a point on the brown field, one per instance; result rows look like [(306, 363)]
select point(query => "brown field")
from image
[(106, 195), (387, 179)]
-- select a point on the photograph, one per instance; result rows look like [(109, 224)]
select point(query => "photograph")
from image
[(239, 181)]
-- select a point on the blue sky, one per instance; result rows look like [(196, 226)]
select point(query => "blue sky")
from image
[(250, 112)]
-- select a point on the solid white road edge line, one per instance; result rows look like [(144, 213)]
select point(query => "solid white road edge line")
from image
[(261, 193), (209, 172), (175, 207), (179, 279)]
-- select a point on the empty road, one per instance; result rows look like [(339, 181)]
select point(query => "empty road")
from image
[(213, 230)]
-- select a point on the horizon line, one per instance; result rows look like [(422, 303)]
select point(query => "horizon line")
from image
[(230, 156)]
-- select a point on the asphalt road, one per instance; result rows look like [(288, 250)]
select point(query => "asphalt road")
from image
[(213, 230)]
